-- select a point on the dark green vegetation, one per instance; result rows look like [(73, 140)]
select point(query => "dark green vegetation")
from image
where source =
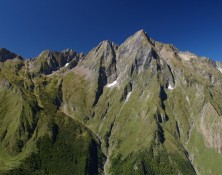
[(70, 150), (139, 108)]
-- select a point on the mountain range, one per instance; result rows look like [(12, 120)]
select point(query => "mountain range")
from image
[(142, 107)]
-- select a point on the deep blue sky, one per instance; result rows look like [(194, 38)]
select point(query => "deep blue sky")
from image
[(29, 26)]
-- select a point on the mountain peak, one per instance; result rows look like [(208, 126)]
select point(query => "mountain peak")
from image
[(4, 51), (137, 39), (6, 55), (141, 33), (68, 50), (107, 43)]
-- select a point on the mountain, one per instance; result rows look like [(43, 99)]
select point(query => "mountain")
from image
[(143, 107), (6, 54)]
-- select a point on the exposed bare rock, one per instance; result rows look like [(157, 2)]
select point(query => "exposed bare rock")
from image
[(210, 127), (50, 61), (219, 66)]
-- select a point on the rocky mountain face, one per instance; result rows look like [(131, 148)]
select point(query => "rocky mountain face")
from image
[(142, 107)]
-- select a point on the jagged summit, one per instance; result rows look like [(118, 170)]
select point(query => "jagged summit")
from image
[(49, 52), (106, 44), (68, 50), (141, 32), (7, 55), (138, 38), (2, 50)]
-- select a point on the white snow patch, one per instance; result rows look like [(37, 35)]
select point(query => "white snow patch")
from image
[(170, 87), (112, 84), (128, 96), (220, 69), (66, 64)]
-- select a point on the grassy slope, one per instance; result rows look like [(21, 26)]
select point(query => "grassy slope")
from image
[(153, 132), (36, 138), (71, 150)]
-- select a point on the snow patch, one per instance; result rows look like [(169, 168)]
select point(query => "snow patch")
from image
[(170, 87), (112, 84), (220, 69), (128, 96), (66, 64)]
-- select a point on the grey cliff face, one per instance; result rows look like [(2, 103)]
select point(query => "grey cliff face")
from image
[(219, 66), (49, 61)]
